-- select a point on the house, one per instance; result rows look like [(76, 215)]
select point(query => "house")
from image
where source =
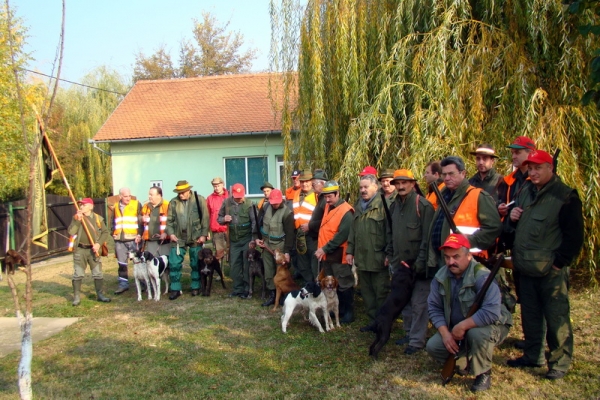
[(196, 129)]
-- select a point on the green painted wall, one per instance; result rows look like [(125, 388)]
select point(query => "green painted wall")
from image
[(136, 164)]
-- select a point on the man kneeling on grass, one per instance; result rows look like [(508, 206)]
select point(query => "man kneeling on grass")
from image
[(453, 291)]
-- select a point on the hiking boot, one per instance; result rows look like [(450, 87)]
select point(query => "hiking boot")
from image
[(173, 294), (346, 299), (121, 290), (403, 341), (99, 283), (271, 300), (482, 382), (76, 292), (519, 344), (410, 350), (555, 374)]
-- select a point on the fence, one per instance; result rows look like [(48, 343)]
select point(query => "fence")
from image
[(60, 211)]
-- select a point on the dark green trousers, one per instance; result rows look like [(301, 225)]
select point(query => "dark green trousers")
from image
[(342, 272), (238, 265), (175, 263), (374, 288), (547, 298)]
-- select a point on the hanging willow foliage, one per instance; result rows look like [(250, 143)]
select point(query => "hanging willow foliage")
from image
[(399, 83)]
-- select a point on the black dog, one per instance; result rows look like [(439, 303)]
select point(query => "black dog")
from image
[(403, 282), (255, 268), (207, 264)]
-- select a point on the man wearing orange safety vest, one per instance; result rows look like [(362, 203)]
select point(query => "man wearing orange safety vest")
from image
[(127, 232), (154, 218), (303, 206), (332, 244), (433, 173), (474, 213), (511, 185)]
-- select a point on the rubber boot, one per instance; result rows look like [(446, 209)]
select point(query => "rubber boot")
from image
[(76, 292), (271, 300), (98, 283), (346, 299)]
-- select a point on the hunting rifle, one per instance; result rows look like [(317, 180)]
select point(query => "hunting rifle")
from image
[(387, 211), (199, 210), (444, 206), (450, 365), (555, 161), (258, 232)]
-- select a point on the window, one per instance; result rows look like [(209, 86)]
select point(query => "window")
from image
[(251, 172)]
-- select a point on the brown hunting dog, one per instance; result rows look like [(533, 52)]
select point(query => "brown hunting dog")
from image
[(11, 260), (283, 279)]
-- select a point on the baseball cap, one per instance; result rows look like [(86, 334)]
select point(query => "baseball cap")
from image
[(331, 187), (238, 191), (368, 171), (455, 241), (403, 175), (86, 200), (538, 157), (295, 173), (275, 197), (522, 142)]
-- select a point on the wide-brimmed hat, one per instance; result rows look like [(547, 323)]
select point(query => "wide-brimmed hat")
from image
[(368, 170), (182, 187), (386, 173), (320, 174), (485, 150), (403, 175), (330, 187), (456, 241), (238, 191), (266, 185), (538, 157), (522, 142), (275, 197), (216, 180), (306, 175)]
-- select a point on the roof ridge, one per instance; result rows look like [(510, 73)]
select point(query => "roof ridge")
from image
[(207, 77)]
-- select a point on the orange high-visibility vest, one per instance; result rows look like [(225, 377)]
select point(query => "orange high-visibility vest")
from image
[(303, 211), (330, 225), (128, 221), (432, 198), (466, 215), (162, 217)]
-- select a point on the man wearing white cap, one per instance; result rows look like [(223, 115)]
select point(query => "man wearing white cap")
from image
[(486, 177)]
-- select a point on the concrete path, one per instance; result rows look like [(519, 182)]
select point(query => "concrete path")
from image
[(43, 328)]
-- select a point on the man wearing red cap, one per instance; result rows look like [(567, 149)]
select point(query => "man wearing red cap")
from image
[(238, 214), (277, 229), (86, 252), (510, 186), (452, 293), (548, 237), (187, 227)]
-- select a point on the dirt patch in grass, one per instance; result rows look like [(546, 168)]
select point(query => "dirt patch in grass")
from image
[(226, 348)]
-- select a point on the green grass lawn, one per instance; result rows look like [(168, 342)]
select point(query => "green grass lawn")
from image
[(222, 348)]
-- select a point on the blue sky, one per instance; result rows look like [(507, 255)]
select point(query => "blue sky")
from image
[(111, 32)]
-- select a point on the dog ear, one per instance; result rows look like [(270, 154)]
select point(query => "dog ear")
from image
[(317, 290)]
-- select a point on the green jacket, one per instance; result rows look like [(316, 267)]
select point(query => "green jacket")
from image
[(550, 229), (408, 239), (489, 183), (367, 239), (242, 223), (484, 238), (196, 226), (277, 228), (99, 233)]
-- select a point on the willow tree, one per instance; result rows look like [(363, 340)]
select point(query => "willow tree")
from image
[(399, 83), (79, 113)]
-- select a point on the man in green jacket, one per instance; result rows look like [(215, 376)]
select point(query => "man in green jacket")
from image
[(86, 252), (548, 237), (474, 213), (187, 228), (367, 242), (486, 176), (407, 248), (237, 213)]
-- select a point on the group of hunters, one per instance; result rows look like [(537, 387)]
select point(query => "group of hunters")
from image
[(530, 214)]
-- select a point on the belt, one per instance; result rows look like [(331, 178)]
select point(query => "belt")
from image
[(85, 246)]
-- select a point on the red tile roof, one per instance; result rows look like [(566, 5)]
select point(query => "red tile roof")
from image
[(214, 105)]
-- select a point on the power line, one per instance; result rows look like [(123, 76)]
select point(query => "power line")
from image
[(74, 83)]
